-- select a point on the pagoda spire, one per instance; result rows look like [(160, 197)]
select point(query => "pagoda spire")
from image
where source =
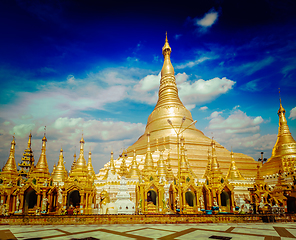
[(81, 163), (168, 91), (214, 164), (60, 174), (29, 141), (134, 171), (123, 168), (170, 174), (74, 161), (42, 166), (233, 172), (90, 168), (10, 167), (184, 171), (27, 162), (112, 166), (285, 143), (149, 166), (208, 168), (161, 166)]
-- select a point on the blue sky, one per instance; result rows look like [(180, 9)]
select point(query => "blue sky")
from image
[(84, 66)]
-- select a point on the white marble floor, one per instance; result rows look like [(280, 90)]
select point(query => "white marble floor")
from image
[(234, 231)]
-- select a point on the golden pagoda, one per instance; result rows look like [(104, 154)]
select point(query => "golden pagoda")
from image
[(284, 150), (169, 106)]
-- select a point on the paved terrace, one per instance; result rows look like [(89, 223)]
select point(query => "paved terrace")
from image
[(233, 231)]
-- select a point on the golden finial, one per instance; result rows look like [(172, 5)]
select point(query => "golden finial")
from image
[(82, 140), (166, 50), (29, 141)]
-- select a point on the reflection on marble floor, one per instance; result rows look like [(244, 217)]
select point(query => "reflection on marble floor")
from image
[(234, 231)]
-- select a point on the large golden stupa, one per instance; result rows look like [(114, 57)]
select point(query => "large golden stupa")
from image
[(163, 136)]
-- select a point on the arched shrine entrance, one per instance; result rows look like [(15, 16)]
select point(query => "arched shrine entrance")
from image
[(73, 199)]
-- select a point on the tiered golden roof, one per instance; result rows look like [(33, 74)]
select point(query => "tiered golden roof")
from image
[(27, 162)]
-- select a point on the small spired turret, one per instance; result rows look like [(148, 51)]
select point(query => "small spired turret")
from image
[(59, 174), (111, 173), (134, 172), (215, 173), (9, 173), (123, 171), (161, 168), (233, 173), (149, 165), (90, 168), (170, 174), (184, 171), (74, 162), (79, 172), (41, 170), (208, 168), (27, 162), (123, 203)]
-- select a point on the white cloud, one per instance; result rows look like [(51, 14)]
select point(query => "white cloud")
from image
[(191, 64), (202, 91), (208, 20), (203, 108), (252, 67), (255, 141), (181, 77), (148, 83), (214, 114), (22, 129), (293, 113), (237, 122)]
